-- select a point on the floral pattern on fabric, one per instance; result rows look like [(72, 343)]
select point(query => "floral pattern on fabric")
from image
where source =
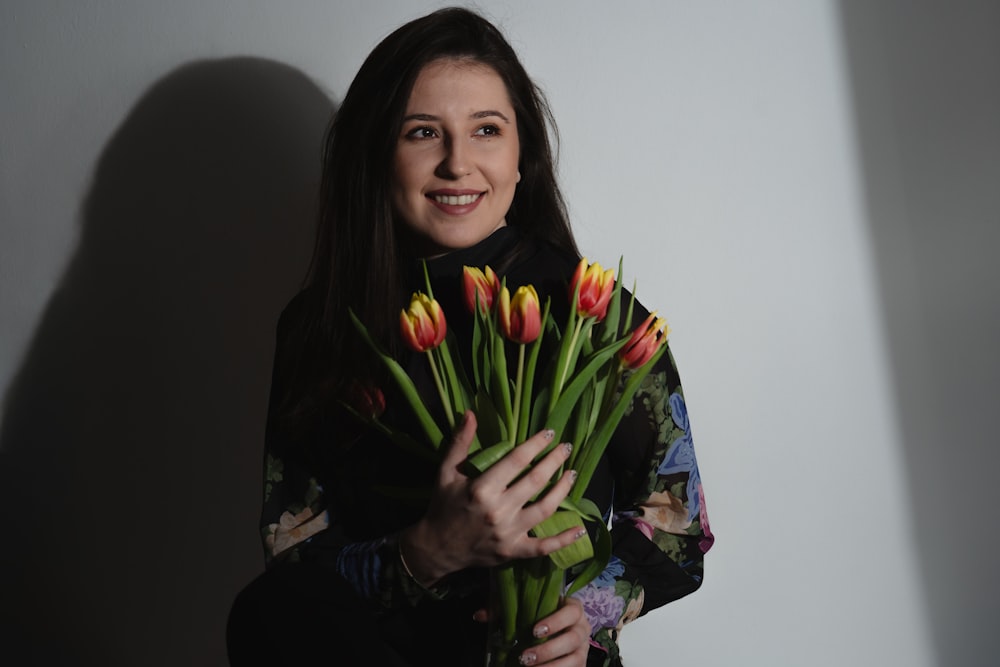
[(318, 507), (292, 529), (669, 512)]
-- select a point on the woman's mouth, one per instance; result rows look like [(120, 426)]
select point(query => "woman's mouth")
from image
[(456, 203), (456, 200)]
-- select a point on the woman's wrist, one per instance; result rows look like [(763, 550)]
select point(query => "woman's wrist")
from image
[(419, 559)]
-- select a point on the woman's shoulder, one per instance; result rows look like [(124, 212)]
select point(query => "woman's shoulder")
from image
[(299, 309)]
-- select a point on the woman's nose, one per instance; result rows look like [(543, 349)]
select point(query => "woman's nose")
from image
[(456, 161)]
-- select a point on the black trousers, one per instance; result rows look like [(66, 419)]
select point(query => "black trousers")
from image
[(307, 614)]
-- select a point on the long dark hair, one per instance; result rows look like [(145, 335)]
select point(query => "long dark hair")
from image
[(357, 261)]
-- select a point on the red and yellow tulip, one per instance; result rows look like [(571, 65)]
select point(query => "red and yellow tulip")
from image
[(521, 316), (485, 284), (645, 341), (595, 375), (422, 324), (595, 289)]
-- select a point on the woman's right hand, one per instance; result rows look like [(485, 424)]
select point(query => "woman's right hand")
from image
[(484, 521)]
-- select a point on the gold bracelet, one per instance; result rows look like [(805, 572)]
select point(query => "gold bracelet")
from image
[(406, 568)]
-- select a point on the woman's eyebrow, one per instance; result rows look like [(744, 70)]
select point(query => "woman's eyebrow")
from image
[(488, 113)]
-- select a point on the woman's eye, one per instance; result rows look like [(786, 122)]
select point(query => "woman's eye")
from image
[(422, 132), (488, 131)]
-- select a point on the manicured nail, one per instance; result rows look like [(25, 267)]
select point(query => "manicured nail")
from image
[(568, 446), (540, 631), (527, 658), (548, 434), (572, 477), (580, 533)]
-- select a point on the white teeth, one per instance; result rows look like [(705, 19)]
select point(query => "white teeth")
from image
[(452, 200)]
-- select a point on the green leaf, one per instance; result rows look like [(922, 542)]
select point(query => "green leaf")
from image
[(482, 460), (573, 553), (610, 325), (538, 414), (455, 379), (593, 569), (501, 383), (587, 462), (402, 440), (551, 595), (490, 427), (585, 507), (409, 390), (506, 587), (600, 387), (628, 315), (560, 413), (566, 355), (524, 409), (477, 344)]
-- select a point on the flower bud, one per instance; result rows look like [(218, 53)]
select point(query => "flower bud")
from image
[(520, 317), (645, 341), (595, 289), (486, 285), (422, 325)]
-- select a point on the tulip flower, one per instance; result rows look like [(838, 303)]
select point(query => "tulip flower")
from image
[(521, 316), (486, 285), (645, 341), (367, 401), (595, 289), (422, 324)]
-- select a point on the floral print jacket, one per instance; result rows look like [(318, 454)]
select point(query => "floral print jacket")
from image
[(339, 494)]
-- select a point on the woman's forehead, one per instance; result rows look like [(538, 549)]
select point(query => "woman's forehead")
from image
[(448, 82)]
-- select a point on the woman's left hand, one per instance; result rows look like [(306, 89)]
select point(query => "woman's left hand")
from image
[(568, 638)]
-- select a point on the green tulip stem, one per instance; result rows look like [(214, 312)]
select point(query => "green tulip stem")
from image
[(609, 402), (516, 411), (590, 456), (440, 387), (566, 363)]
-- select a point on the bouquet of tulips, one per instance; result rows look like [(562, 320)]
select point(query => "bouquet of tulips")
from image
[(581, 394)]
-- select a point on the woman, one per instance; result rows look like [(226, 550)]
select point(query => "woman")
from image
[(440, 152)]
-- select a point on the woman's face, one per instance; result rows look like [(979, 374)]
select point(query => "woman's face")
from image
[(455, 167)]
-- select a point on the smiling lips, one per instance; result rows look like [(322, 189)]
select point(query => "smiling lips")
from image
[(456, 202)]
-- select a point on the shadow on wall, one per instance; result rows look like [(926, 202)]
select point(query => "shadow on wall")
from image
[(926, 83), (133, 434)]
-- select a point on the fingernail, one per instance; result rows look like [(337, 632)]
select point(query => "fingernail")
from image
[(527, 658), (548, 434), (572, 477), (580, 533), (568, 447), (540, 631)]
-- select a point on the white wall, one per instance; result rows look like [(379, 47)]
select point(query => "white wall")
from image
[(715, 145)]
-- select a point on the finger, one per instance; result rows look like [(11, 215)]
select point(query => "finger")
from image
[(543, 546), (541, 474), (566, 650), (545, 506), (507, 469), (568, 633), (568, 615), (458, 450), (481, 616)]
